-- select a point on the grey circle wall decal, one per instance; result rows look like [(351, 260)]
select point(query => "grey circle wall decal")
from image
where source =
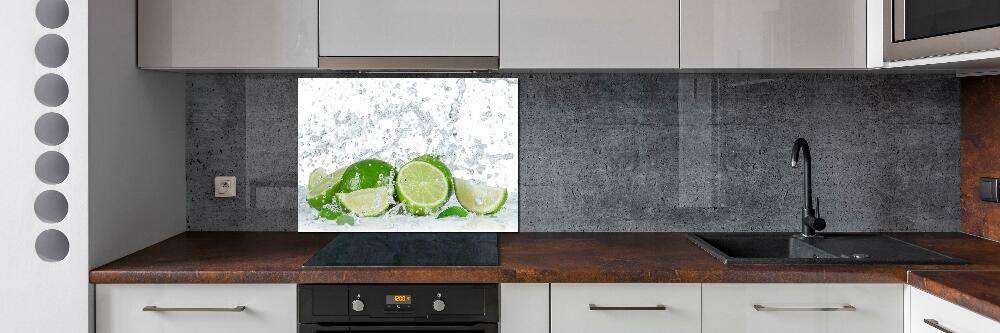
[(51, 206), (51, 90), (52, 167), (51, 129), (51, 51), (52, 13), (52, 245)]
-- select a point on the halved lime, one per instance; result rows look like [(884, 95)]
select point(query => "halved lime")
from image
[(367, 202), (367, 174), (436, 162), (423, 187), (478, 198), (322, 186)]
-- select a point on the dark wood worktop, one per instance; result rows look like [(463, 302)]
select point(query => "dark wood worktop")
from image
[(275, 257), (978, 291)]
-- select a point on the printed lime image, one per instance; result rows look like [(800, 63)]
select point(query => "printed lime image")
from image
[(407, 155)]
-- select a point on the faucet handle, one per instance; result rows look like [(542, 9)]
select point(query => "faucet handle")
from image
[(817, 206)]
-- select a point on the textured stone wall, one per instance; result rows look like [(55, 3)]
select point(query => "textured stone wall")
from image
[(640, 152)]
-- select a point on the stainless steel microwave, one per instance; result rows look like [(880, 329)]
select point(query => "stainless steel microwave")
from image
[(929, 28)]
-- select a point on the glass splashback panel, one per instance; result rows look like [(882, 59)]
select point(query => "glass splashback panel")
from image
[(407, 155)]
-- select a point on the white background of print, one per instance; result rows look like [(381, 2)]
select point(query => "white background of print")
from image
[(470, 123)]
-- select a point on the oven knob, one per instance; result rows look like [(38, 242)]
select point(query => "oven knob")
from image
[(438, 305), (358, 305)]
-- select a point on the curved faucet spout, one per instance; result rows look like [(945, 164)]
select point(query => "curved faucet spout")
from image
[(810, 222), (807, 188)]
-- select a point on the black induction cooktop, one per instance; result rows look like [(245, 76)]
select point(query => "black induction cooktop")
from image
[(408, 249)]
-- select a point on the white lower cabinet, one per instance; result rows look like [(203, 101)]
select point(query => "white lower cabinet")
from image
[(196, 308), (524, 308), (930, 314), (816, 308), (625, 307)]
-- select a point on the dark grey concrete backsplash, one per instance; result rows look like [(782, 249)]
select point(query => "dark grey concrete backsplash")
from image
[(639, 152)]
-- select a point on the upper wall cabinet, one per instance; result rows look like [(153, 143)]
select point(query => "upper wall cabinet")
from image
[(361, 33), (774, 34), (582, 34), (227, 33)]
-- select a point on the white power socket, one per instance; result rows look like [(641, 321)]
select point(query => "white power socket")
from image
[(225, 187)]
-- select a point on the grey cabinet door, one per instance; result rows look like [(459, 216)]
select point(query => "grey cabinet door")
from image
[(589, 34), (407, 28), (773, 34), (228, 33)]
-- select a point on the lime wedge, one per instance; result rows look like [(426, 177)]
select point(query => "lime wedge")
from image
[(423, 187), (454, 211), (322, 186), (367, 202), (479, 199)]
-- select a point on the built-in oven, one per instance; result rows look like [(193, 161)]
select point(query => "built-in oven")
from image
[(385, 308), (928, 28)]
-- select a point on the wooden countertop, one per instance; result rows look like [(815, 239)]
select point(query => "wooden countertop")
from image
[(277, 257), (978, 291)]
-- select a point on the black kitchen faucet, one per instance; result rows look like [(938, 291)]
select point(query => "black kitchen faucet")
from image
[(810, 221)]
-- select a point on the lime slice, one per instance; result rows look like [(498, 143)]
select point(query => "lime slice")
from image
[(433, 160), (322, 186), (454, 211), (422, 187), (367, 174), (479, 199), (367, 202)]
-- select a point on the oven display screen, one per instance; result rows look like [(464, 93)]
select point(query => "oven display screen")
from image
[(398, 299)]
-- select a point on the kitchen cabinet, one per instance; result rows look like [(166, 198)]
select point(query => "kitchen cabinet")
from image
[(185, 34), (930, 314), (625, 307), (777, 34), (125, 308), (819, 308), (403, 28), (585, 34), (524, 308)]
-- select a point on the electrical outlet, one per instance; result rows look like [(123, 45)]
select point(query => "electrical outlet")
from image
[(225, 187)]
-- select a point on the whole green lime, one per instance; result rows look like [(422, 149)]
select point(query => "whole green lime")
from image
[(366, 174)]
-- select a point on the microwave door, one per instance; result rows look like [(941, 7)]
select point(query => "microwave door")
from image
[(916, 19), (916, 29)]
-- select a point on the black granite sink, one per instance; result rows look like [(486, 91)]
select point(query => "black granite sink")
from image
[(837, 248)]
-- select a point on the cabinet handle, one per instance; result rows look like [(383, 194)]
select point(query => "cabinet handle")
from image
[(935, 324), (240, 308), (594, 307), (848, 307)]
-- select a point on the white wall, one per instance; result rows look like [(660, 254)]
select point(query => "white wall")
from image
[(137, 187), (38, 295)]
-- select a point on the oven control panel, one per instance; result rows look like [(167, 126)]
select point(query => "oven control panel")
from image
[(398, 303)]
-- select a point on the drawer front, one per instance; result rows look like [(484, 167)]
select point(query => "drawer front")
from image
[(269, 308), (730, 308), (946, 315), (571, 310)]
